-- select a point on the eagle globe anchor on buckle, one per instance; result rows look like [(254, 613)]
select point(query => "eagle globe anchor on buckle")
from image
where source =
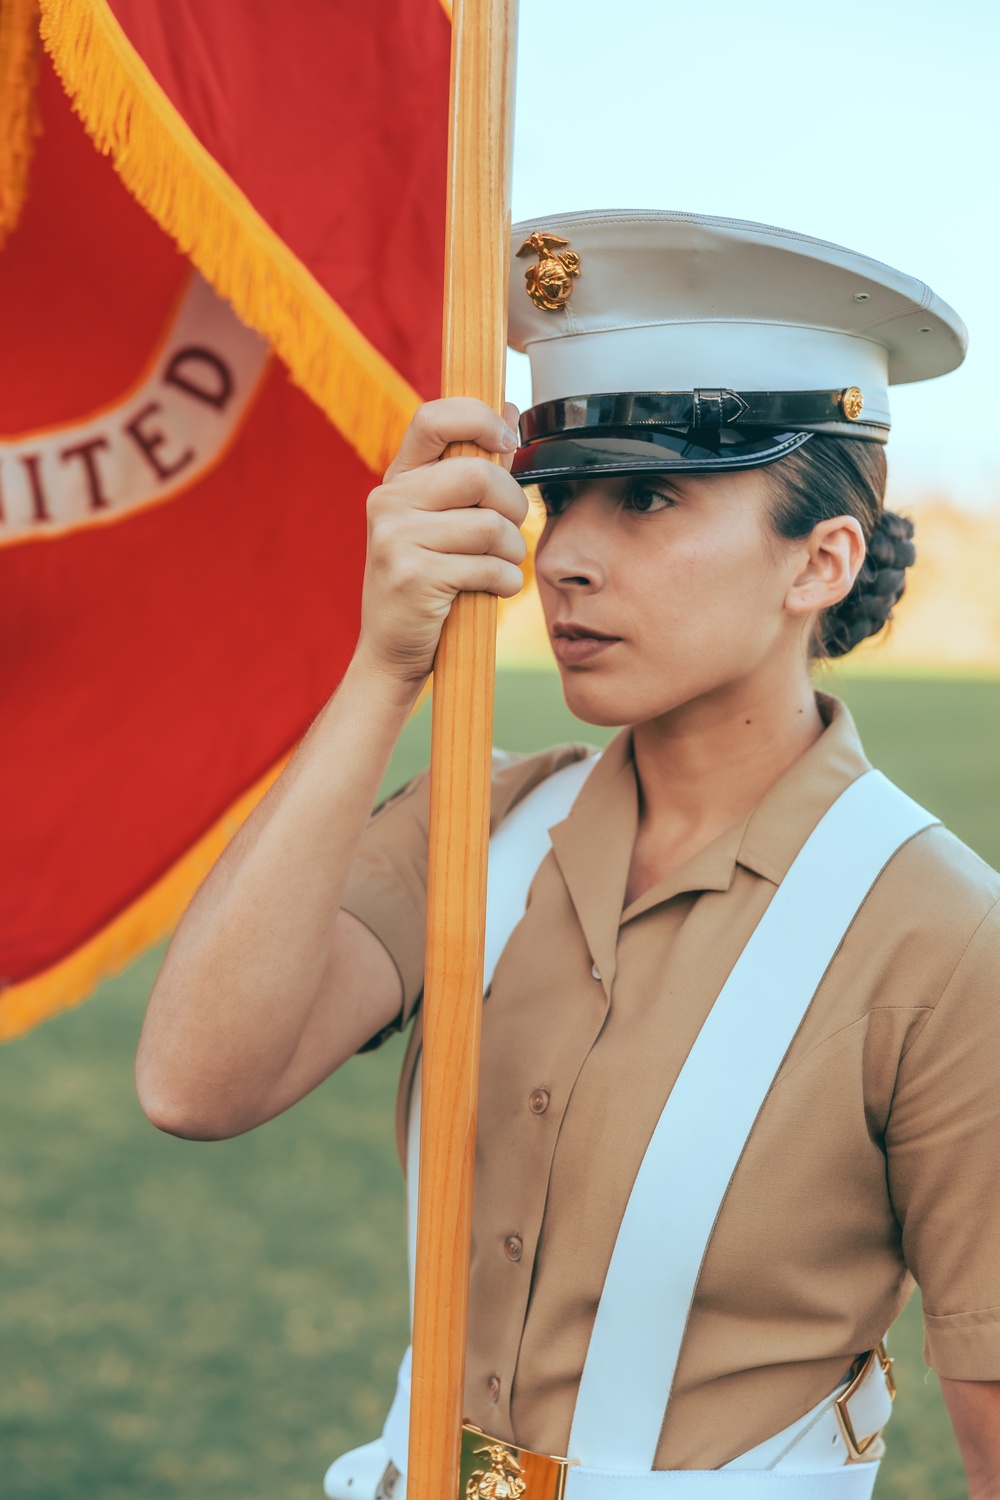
[(510, 1472)]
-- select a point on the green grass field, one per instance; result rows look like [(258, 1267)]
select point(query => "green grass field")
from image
[(193, 1322)]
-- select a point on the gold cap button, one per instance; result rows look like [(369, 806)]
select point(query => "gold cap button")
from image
[(852, 403)]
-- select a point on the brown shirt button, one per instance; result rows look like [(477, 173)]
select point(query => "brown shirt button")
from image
[(539, 1101), (493, 1388), (512, 1247)]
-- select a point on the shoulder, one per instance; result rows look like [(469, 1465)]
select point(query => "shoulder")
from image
[(937, 906), (514, 776), (944, 885)]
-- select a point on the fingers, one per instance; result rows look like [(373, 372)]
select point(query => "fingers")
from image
[(472, 532), (459, 419), (440, 528), (479, 575), (459, 484), (412, 549), (488, 576), (511, 416)]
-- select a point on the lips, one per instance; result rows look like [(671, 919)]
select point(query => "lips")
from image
[(573, 644)]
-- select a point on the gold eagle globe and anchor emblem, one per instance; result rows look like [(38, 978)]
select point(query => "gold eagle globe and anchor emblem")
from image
[(501, 1481), (550, 283)]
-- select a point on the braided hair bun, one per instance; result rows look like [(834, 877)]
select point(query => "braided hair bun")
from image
[(877, 589), (835, 476)]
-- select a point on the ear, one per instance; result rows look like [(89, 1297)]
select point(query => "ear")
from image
[(835, 550)]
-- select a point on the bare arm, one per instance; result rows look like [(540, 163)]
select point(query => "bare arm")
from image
[(974, 1408), (268, 986)]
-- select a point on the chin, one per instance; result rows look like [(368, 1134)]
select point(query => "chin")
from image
[(597, 702)]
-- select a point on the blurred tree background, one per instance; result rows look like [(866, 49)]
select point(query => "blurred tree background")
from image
[(207, 1322)]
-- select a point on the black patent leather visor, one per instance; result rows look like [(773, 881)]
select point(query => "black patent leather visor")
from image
[(647, 452)]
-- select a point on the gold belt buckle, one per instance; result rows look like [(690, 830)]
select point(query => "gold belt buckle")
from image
[(491, 1469), (857, 1446)]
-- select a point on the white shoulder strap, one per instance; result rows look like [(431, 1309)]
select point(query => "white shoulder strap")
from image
[(711, 1110), (517, 849)]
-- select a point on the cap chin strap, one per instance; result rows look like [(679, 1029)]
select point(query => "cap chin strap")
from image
[(704, 414)]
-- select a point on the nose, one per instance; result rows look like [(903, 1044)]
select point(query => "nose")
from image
[(569, 554)]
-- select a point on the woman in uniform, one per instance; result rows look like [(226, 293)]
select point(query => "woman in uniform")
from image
[(738, 1086)]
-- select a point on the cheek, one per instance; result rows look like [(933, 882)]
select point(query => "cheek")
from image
[(699, 583), (715, 594), (687, 582)]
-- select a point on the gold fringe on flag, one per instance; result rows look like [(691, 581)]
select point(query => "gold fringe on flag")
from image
[(167, 169), (18, 118), (149, 918)]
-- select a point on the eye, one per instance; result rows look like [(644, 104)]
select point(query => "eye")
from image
[(648, 496), (555, 496)]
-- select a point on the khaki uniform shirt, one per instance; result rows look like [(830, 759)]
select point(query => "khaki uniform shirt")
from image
[(876, 1157)]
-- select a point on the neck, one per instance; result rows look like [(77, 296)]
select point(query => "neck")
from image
[(703, 767)]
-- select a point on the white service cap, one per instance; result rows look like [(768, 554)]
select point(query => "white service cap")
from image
[(662, 340)]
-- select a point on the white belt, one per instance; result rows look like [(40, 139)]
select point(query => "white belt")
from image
[(855, 1482), (810, 1457), (843, 1429), (367, 1474)]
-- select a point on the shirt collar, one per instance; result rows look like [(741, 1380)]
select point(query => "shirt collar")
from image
[(789, 811), (604, 818), (593, 848)]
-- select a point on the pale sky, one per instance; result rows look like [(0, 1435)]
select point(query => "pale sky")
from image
[(872, 125)]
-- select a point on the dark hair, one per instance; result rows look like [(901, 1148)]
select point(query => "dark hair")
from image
[(835, 476)]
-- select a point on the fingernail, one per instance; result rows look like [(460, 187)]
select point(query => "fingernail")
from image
[(509, 438)]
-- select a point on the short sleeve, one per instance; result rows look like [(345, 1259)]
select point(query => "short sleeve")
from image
[(943, 1152), (387, 886)]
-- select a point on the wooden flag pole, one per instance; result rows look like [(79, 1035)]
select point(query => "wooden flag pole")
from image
[(473, 363)]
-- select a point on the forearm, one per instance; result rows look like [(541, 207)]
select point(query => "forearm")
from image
[(974, 1409), (236, 992)]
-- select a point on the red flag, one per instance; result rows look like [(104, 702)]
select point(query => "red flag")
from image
[(181, 528)]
